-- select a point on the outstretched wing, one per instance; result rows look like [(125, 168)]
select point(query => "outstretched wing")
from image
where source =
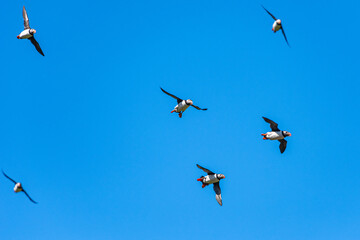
[(29, 196), (269, 13), (199, 108), (8, 177), (178, 99), (282, 146), (36, 44), (273, 125), (204, 169), (218, 193), (282, 29), (26, 19)]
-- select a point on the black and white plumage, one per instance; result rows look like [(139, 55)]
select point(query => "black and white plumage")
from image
[(182, 104), (28, 32), (276, 134), (277, 25), (212, 178), (18, 187)]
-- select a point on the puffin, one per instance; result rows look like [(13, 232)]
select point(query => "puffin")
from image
[(182, 104), (18, 187), (212, 178), (277, 25), (276, 134), (28, 32)]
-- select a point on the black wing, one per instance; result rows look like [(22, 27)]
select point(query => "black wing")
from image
[(204, 169), (282, 29), (218, 193), (269, 13), (29, 196), (199, 108), (36, 44), (273, 125), (9, 177), (282, 146), (178, 99)]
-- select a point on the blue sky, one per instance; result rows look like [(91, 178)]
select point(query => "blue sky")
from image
[(88, 132)]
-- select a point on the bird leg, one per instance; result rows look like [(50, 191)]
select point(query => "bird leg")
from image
[(180, 115)]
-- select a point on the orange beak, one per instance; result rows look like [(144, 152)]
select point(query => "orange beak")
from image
[(289, 134)]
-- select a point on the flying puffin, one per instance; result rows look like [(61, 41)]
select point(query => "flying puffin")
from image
[(212, 178), (276, 134), (28, 33), (277, 25), (18, 187), (182, 104)]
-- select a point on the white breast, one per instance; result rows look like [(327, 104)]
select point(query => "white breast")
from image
[(276, 27), (209, 179), (17, 187), (275, 135), (181, 107), (25, 34)]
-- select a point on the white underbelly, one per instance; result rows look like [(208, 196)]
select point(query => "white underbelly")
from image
[(209, 179), (181, 107), (274, 135), (17, 188), (276, 27), (25, 34)]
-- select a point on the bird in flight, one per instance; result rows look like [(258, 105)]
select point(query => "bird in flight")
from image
[(182, 104), (28, 33), (212, 178), (277, 25), (18, 187), (276, 134)]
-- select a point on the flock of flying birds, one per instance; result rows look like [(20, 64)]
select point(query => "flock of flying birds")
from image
[(214, 178), (182, 105)]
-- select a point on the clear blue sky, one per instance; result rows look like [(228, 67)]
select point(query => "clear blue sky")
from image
[(88, 132)]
